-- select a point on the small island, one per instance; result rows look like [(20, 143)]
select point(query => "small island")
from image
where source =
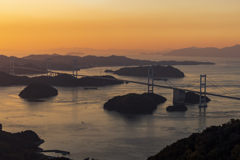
[(133, 103), (38, 91), (181, 108), (214, 143), (190, 98), (142, 71), (193, 98), (109, 71)]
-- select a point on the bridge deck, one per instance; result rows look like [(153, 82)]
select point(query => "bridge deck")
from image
[(167, 87)]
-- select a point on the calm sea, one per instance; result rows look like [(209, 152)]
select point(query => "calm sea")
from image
[(75, 120)]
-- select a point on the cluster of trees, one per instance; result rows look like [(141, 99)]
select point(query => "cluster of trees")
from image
[(214, 143)]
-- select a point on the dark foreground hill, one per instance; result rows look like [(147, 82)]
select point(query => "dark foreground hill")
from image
[(21, 146), (142, 71), (214, 143), (60, 80)]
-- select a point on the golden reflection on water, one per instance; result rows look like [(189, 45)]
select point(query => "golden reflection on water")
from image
[(75, 120)]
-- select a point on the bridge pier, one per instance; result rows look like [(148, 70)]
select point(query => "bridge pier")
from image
[(150, 79), (202, 95), (11, 67), (204, 111), (178, 97), (49, 67), (74, 68)]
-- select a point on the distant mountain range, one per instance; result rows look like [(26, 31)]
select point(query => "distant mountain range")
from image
[(95, 61), (230, 52)]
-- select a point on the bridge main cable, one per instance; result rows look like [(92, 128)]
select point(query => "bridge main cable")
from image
[(161, 86)]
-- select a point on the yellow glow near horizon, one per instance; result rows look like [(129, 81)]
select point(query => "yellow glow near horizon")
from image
[(152, 25)]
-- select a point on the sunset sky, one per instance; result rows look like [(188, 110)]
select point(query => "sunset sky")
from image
[(156, 25)]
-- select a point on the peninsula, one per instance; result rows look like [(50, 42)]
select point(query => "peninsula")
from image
[(60, 80)]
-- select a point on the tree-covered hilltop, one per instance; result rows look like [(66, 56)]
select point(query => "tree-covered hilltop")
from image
[(214, 143), (133, 103), (142, 71)]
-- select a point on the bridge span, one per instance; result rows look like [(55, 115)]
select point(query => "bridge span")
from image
[(162, 86)]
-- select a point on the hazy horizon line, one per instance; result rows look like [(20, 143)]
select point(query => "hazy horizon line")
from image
[(93, 51)]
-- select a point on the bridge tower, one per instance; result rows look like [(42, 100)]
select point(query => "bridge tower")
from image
[(202, 96), (75, 68), (150, 79), (49, 67), (11, 67)]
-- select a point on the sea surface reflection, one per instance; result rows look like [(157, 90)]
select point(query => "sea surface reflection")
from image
[(75, 120)]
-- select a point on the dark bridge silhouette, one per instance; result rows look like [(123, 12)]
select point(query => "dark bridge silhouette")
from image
[(149, 84)]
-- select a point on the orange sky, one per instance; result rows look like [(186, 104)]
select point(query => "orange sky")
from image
[(27, 25)]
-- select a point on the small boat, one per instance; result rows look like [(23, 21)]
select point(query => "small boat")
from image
[(160, 79), (90, 87)]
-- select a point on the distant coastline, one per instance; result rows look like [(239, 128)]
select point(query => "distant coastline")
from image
[(60, 80), (36, 64)]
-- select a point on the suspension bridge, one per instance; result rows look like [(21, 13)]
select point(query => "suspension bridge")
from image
[(178, 93)]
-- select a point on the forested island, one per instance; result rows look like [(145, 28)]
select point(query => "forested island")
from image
[(142, 71), (133, 103), (60, 80), (38, 91)]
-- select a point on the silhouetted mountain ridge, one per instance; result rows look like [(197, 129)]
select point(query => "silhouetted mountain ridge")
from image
[(65, 62), (233, 51), (93, 61)]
